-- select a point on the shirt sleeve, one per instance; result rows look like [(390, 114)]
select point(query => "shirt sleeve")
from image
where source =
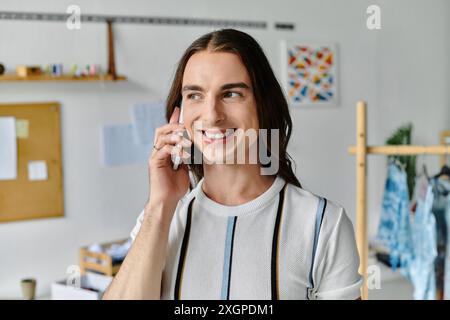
[(337, 276)]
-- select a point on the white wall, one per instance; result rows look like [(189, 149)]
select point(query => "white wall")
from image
[(400, 70)]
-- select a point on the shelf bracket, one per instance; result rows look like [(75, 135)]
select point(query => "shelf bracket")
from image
[(111, 57)]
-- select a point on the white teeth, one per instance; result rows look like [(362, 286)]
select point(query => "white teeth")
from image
[(214, 135), (218, 135)]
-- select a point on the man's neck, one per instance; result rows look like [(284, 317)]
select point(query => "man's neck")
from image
[(234, 184)]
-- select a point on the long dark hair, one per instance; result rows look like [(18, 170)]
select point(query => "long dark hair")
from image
[(272, 107)]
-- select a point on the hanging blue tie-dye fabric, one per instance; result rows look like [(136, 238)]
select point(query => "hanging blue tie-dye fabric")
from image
[(425, 244), (394, 230), (441, 211)]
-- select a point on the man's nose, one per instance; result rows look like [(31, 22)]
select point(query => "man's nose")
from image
[(213, 112)]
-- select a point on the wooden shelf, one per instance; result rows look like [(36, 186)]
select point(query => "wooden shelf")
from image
[(103, 77), (110, 75)]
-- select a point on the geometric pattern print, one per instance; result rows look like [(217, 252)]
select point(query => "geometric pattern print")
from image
[(311, 76)]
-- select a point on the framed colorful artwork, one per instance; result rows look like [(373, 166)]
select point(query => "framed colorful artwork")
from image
[(309, 73)]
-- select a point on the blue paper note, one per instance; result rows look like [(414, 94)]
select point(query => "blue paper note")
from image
[(120, 148), (146, 118)]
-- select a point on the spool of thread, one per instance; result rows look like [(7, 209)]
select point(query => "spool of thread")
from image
[(73, 70), (57, 69), (93, 69), (48, 69)]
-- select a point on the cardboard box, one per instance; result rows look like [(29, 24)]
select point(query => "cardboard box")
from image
[(92, 288)]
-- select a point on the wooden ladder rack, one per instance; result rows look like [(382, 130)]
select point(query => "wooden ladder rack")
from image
[(362, 150)]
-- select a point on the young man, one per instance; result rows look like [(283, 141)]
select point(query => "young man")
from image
[(241, 233)]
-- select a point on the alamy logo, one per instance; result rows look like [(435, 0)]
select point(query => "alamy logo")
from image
[(73, 276), (74, 20), (373, 277), (250, 146), (374, 18)]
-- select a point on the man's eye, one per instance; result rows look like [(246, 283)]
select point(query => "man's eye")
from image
[(232, 94), (193, 96)]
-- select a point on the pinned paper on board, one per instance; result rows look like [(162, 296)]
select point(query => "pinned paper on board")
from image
[(8, 148), (22, 128), (37, 170)]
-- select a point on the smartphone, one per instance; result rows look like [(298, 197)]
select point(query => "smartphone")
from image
[(176, 159)]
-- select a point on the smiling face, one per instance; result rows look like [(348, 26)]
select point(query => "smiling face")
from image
[(217, 100)]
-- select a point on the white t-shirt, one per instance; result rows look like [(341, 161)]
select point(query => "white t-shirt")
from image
[(235, 252)]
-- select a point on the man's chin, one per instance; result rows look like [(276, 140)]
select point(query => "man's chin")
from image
[(215, 156)]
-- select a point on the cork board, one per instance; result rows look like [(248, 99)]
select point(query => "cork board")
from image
[(23, 199)]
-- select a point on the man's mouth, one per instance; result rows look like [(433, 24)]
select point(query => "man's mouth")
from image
[(217, 135)]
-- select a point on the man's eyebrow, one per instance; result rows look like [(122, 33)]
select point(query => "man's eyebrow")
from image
[(192, 87), (235, 85), (224, 87)]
